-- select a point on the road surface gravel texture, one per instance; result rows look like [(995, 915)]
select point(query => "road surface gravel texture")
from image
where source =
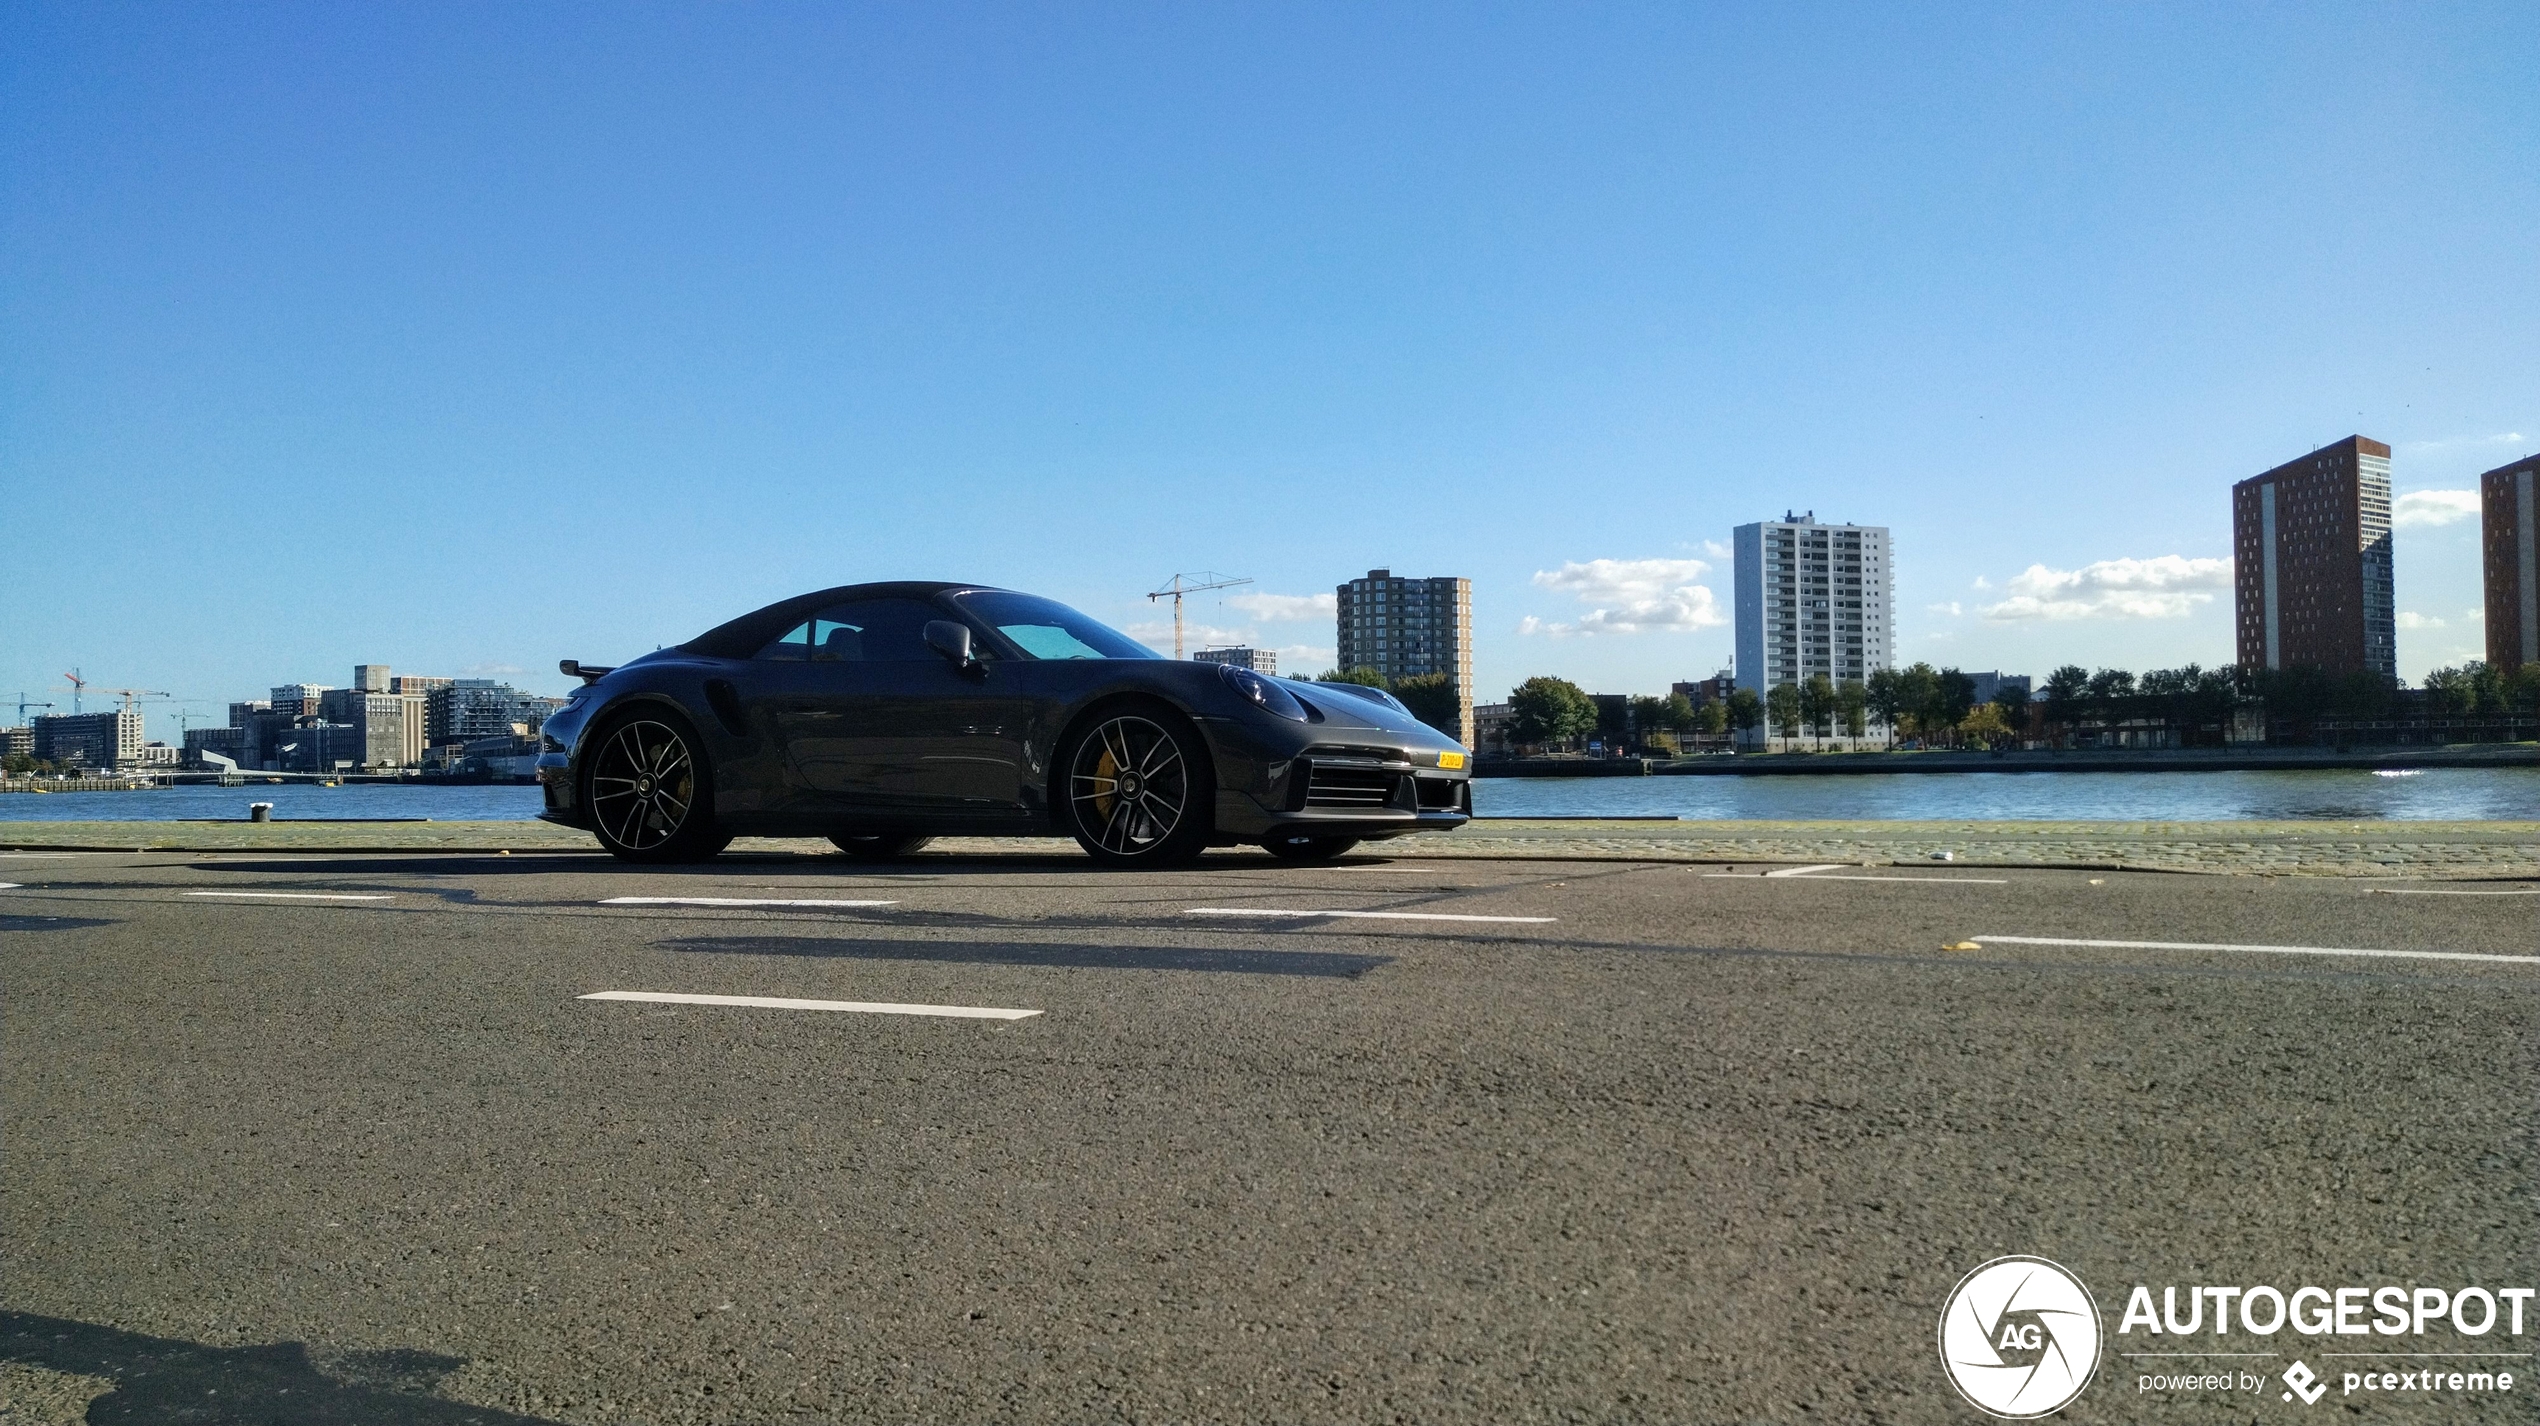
[(1673, 1142)]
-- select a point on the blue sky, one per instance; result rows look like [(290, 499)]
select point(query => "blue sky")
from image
[(462, 339)]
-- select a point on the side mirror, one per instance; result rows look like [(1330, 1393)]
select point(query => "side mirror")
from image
[(951, 640)]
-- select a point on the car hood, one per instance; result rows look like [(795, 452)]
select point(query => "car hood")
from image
[(1342, 709)]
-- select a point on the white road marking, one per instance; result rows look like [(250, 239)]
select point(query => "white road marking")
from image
[(296, 895), (10, 885), (729, 901), (1360, 915), (2444, 893), (778, 1002), (1818, 873), (1984, 940)]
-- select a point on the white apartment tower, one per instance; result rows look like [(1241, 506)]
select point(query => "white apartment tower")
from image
[(1812, 599), (1404, 628)]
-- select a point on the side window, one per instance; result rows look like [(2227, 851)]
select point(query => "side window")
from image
[(793, 645), (871, 631)]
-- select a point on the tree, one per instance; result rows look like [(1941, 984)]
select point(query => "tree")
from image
[(1364, 677), (1920, 708), (1853, 702), (1649, 715), (2011, 701), (1678, 715), (2065, 689), (1712, 718), (1817, 705), (1744, 711), (1781, 706), (1956, 696), (1549, 710), (1887, 699), (1432, 699), (1984, 725)]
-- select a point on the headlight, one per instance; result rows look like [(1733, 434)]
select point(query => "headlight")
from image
[(1262, 693)]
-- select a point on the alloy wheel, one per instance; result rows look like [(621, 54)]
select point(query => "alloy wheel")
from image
[(1129, 788), (643, 785)]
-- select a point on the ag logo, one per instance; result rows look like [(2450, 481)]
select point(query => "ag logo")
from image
[(2020, 1337)]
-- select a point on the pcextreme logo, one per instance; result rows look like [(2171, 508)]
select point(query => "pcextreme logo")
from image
[(2019, 1337)]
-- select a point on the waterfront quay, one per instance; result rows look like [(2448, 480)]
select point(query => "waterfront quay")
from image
[(1803, 764)]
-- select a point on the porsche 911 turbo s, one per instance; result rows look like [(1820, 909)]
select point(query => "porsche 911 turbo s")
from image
[(882, 715)]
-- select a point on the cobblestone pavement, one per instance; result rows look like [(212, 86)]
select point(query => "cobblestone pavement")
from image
[(2454, 850)]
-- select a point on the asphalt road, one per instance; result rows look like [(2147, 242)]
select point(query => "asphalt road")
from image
[(1692, 1146)]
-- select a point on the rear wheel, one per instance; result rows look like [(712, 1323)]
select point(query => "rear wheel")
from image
[(650, 792), (1294, 848), (880, 847), (1137, 788)]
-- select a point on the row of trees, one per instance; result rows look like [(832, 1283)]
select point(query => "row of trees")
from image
[(1938, 707)]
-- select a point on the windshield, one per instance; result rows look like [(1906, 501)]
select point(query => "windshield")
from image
[(1047, 629)]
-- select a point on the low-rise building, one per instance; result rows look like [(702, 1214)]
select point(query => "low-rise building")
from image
[(1992, 683), (17, 742), (229, 743), (1715, 689), (1258, 660), (472, 708)]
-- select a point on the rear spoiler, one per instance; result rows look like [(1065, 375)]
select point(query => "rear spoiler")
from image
[(588, 673)]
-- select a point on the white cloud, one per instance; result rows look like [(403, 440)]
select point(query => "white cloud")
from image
[(491, 670), (2433, 507), (1953, 608), (1630, 597), (1983, 583), (2501, 438), (1157, 634), (1286, 608), (2163, 587), (2409, 620), (1305, 660), (1716, 550)]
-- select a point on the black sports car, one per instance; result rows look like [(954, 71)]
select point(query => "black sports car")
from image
[(880, 715)]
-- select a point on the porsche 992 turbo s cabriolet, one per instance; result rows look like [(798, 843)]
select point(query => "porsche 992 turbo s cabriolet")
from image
[(882, 715)]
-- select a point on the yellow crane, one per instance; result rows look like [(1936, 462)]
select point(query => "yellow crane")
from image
[(1176, 588)]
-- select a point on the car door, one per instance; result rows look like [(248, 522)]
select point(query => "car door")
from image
[(882, 727)]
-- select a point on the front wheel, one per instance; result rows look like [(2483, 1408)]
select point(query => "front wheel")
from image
[(1302, 849), (1137, 788), (651, 793), (878, 847)]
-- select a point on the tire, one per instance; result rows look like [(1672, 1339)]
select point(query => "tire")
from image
[(878, 847), (650, 790), (1302, 849), (1136, 787)]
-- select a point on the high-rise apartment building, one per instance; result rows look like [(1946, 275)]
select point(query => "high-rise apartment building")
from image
[(1405, 628), (1258, 660), (1812, 599), (471, 708), (2508, 520), (2311, 574)]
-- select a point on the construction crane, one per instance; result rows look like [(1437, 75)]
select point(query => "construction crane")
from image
[(24, 705), (1176, 589), (79, 685)]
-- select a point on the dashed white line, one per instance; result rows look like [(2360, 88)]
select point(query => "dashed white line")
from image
[(296, 895), (1984, 940), (731, 901), (10, 885), (778, 1002), (2441, 891), (1818, 873), (1359, 915)]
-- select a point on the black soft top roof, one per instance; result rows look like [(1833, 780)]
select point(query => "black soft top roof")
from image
[(748, 634)]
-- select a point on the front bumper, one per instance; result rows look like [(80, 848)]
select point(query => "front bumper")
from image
[(1350, 790)]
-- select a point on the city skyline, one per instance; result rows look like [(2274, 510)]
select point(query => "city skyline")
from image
[(306, 365)]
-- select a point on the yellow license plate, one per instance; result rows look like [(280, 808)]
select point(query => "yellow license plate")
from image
[(1450, 760)]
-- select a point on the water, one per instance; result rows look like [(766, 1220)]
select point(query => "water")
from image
[(2358, 795), (2436, 794), (445, 802)]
